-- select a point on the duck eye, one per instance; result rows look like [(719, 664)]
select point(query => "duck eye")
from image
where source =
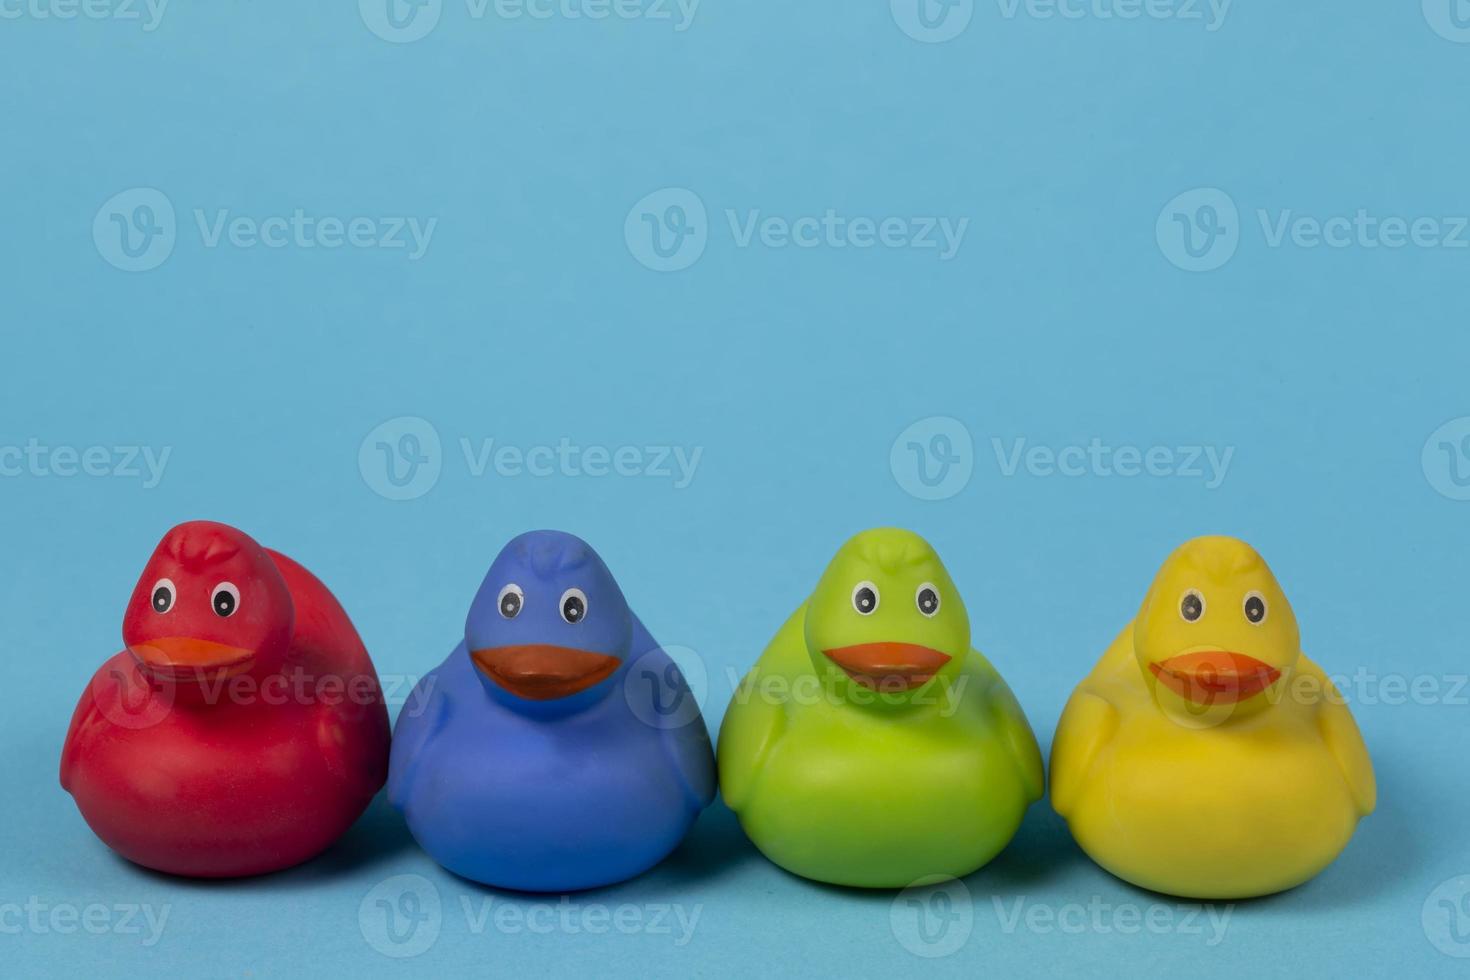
[(225, 599), (510, 601), (1192, 606), (927, 599), (573, 606), (1255, 607), (163, 595), (865, 598)]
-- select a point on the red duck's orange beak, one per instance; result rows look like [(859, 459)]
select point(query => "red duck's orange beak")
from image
[(1209, 677), (542, 671), (889, 666), (185, 656)]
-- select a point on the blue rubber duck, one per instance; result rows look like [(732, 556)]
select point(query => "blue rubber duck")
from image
[(558, 747)]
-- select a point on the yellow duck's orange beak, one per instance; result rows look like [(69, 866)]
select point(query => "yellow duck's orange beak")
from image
[(184, 656), (889, 667), (1209, 677), (543, 671)]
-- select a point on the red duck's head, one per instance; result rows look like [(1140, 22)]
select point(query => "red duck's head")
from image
[(210, 605)]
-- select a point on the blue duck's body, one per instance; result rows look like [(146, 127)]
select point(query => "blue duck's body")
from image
[(508, 775)]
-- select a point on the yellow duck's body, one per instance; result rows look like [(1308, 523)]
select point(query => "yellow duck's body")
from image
[(1231, 795)]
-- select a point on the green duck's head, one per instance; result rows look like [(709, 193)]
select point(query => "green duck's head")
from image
[(886, 618)]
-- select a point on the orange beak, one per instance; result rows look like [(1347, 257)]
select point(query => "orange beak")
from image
[(889, 667), (1215, 676), (185, 656), (542, 671)]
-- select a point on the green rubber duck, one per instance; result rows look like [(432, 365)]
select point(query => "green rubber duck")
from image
[(871, 746)]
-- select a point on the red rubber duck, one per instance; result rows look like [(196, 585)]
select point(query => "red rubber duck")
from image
[(243, 729)]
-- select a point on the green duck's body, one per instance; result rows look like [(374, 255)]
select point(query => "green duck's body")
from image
[(847, 785)]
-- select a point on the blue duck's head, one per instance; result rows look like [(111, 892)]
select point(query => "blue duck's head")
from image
[(549, 627)]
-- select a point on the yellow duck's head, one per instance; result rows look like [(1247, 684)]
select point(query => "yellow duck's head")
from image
[(1216, 639)]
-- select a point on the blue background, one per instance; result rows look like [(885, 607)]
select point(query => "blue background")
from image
[(530, 319)]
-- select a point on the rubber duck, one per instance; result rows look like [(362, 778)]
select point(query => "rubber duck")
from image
[(242, 730), (1205, 756), (871, 745), (558, 747)]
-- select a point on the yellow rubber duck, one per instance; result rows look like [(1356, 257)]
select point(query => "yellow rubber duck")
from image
[(1205, 756)]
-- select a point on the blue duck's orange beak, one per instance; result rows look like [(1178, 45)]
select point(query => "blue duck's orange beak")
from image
[(543, 671), (889, 667), (186, 656), (1208, 677)]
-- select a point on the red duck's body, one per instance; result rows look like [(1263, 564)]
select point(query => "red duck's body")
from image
[(224, 743)]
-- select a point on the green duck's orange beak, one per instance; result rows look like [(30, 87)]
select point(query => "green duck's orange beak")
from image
[(542, 671), (889, 667), (1209, 677), (185, 656)]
